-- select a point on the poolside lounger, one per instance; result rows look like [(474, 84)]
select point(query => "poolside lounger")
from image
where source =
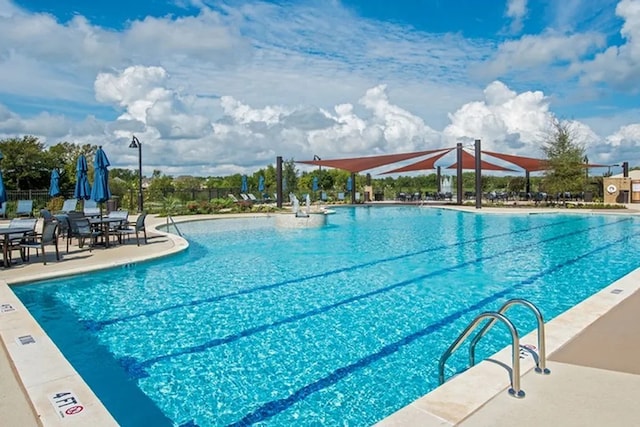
[(252, 198), (90, 208), (244, 197), (69, 205), (24, 208), (234, 198)]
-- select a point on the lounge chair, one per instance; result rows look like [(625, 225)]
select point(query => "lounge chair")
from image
[(48, 237), (234, 198), (69, 205), (137, 228), (253, 198), (24, 208), (90, 209), (340, 196), (244, 197)]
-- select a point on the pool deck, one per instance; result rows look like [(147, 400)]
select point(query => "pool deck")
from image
[(594, 354)]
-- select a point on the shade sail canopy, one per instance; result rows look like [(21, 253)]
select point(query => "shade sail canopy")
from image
[(527, 163), (469, 162), (422, 164), (359, 164)]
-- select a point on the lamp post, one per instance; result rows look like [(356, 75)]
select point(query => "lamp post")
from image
[(135, 143)]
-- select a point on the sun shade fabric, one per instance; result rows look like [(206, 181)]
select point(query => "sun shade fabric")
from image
[(421, 165), (469, 162), (359, 164), (527, 163)]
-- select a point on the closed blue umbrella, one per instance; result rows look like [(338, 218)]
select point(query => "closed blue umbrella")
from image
[(314, 186), (245, 186), (82, 190), (54, 186), (100, 192), (261, 184), (349, 184), (3, 192)]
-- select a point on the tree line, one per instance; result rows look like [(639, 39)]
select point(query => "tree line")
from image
[(27, 164)]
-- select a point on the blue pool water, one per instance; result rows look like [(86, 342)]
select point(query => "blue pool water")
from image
[(341, 325)]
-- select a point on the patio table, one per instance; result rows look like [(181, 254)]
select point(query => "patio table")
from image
[(5, 232), (104, 224)]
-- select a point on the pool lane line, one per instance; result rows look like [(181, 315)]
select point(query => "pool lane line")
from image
[(137, 369), (275, 407), (96, 325)]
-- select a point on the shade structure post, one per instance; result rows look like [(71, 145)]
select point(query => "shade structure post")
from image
[(459, 173), (438, 178), (527, 178), (478, 175), (279, 181), (353, 188)]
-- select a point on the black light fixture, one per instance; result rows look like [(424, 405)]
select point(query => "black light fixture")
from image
[(135, 143)]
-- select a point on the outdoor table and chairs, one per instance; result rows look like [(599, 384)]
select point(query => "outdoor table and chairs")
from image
[(6, 233), (104, 225)]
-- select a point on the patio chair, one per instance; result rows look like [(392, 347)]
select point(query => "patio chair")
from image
[(91, 209), (136, 228), (81, 229), (69, 205), (64, 227), (253, 198), (24, 208), (46, 215), (120, 220), (234, 198), (48, 237), (244, 197), (3, 209), (14, 240)]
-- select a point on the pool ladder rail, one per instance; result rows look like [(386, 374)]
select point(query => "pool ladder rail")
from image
[(495, 316)]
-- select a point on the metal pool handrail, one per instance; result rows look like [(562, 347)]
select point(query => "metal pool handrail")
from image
[(515, 349), (541, 361)]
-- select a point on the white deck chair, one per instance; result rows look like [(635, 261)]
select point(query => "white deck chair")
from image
[(234, 198)]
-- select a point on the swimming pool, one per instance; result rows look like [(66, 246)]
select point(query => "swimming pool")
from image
[(339, 325)]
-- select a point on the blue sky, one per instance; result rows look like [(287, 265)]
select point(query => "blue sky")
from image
[(218, 87)]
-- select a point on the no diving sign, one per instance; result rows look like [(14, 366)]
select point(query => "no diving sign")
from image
[(66, 404)]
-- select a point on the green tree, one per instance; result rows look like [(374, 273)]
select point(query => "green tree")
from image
[(25, 164), (161, 186), (290, 176), (566, 171)]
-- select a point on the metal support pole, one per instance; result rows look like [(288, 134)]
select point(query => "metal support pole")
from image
[(135, 143), (478, 175), (459, 173), (279, 181), (438, 178), (353, 188)]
